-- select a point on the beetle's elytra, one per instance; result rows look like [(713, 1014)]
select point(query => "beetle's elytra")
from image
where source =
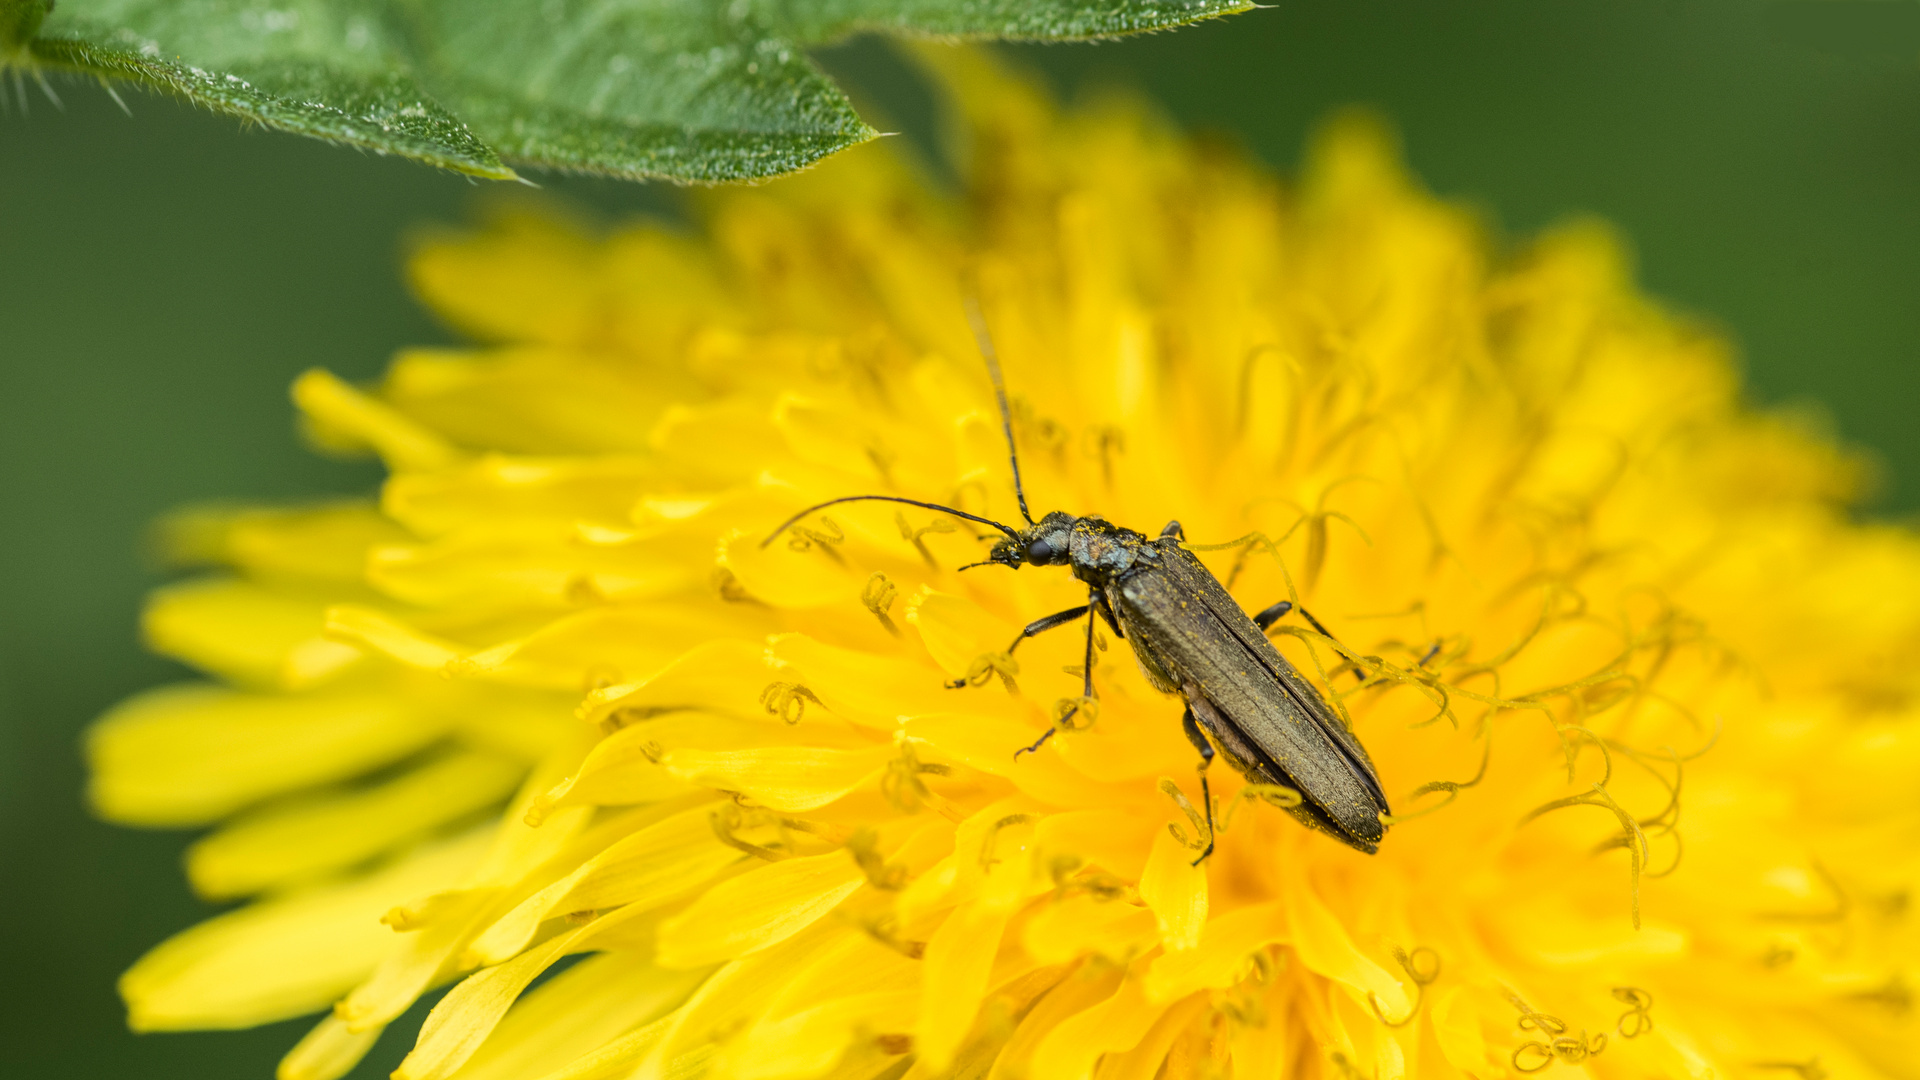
[(1192, 639)]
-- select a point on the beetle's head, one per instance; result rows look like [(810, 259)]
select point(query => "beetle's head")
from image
[(1041, 544)]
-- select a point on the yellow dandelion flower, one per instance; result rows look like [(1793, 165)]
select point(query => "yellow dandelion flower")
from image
[(1635, 686)]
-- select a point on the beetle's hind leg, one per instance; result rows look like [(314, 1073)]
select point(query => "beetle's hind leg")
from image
[(1279, 611), (1037, 626), (1198, 738), (1273, 614)]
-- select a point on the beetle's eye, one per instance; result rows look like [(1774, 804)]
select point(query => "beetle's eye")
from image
[(1039, 552)]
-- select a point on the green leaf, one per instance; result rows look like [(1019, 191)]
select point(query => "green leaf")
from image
[(18, 21), (689, 90)]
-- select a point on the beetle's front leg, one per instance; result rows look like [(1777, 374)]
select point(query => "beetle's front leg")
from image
[(1086, 675), (1037, 626), (1191, 725)]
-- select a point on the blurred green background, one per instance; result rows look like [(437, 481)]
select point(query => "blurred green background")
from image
[(163, 277)]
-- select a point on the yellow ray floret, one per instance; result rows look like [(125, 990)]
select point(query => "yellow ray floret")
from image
[(1640, 693)]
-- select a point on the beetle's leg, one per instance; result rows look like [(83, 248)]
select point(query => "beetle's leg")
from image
[(1276, 612), (1086, 674), (1101, 605), (1037, 626), (1198, 738), (1174, 530), (1273, 614), (1037, 743), (1086, 669)]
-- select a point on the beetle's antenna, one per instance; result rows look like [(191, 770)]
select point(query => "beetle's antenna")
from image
[(887, 498), (985, 341), (971, 565)]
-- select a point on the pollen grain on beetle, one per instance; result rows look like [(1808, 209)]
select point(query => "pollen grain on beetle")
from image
[(1634, 682)]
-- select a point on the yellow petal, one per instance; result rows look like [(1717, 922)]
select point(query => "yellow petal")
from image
[(497, 486), (381, 633), (1115, 839), (327, 1052), (283, 957), (727, 676), (1324, 947), (724, 441), (1144, 1060), (617, 1057), (604, 645), (538, 563), (436, 931), (1116, 1024), (1220, 959), (789, 576), (657, 863), (762, 907), (956, 630), (415, 958), (575, 1014), (325, 543), (619, 770), (810, 1042), (244, 633), (340, 417), (959, 961), (724, 1006), (1079, 924), (520, 844), (873, 690), (989, 743), (789, 778), (824, 1008), (527, 399), (532, 279), (188, 754), (463, 1019), (1176, 890), (1456, 1027), (319, 834)]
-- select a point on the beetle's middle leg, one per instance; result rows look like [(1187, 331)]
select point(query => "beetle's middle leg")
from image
[(1037, 626), (1198, 738)]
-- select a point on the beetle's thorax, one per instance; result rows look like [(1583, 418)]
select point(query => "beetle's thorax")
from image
[(1100, 551)]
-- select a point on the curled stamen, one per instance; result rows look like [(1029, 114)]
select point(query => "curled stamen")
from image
[(864, 846), (914, 536), (986, 666), (1452, 788), (1635, 839), (1638, 1019), (1275, 795), (730, 818), (729, 587), (1104, 442), (901, 783), (1422, 966), (1810, 1069), (1557, 1046), (987, 857), (788, 701), (878, 595), (802, 538), (1172, 791), (1075, 714)]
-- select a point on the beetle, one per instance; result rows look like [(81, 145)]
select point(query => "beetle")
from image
[(1192, 640)]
